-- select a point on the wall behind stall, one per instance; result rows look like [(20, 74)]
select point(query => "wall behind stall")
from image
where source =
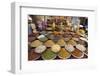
[(5, 33)]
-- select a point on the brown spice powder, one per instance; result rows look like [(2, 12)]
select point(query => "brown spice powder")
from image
[(32, 55), (77, 53), (64, 54)]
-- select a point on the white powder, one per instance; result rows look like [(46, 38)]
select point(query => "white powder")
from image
[(40, 49), (69, 48), (80, 47)]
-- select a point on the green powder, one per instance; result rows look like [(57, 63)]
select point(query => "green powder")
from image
[(48, 55), (43, 39)]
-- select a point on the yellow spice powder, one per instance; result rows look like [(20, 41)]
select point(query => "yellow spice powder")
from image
[(64, 54)]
